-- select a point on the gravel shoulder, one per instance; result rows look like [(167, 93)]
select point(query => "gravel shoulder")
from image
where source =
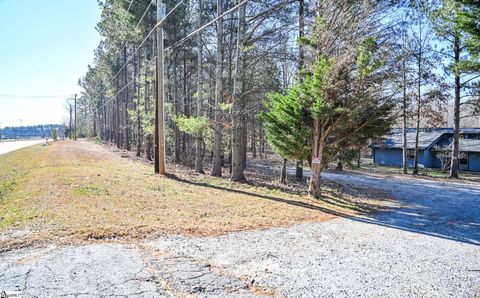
[(428, 247)]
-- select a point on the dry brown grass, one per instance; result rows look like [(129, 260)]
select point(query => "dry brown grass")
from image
[(80, 190)]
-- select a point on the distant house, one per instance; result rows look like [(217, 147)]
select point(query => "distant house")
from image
[(432, 142)]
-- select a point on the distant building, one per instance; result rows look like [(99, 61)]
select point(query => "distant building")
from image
[(432, 142), (30, 132)]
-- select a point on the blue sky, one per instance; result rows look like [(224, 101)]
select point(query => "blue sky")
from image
[(45, 47)]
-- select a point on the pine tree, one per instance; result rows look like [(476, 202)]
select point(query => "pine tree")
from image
[(287, 126), (470, 22), (446, 23)]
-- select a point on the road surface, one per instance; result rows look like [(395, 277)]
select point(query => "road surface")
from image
[(9, 146), (428, 247)]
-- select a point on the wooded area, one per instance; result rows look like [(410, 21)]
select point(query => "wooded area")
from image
[(314, 81)]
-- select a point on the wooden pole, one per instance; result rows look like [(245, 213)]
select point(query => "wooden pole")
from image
[(70, 123), (75, 120), (159, 109)]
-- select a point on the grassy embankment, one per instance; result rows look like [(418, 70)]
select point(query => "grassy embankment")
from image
[(78, 191)]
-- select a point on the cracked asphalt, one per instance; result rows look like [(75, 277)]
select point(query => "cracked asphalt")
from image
[(428, 247)]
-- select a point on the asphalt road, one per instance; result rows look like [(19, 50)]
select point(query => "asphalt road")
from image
[(9, 146), (428, 247)]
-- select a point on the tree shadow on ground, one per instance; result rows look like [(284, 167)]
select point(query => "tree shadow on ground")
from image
[(262, 196), (420, 217)]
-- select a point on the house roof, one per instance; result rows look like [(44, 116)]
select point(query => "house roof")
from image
[(468, 145), (426, 138)]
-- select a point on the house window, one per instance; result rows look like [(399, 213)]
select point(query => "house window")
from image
[(463, 161)]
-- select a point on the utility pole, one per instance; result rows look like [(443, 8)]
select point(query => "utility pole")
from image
[(159, 109), (75, 123), (70, 124)]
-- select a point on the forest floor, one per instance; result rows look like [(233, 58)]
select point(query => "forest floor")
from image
[(424, 243), (72, 192)]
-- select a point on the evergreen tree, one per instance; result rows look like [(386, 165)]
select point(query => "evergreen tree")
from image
[(288, 126), (446, 23), (470, 22), (346, 88)]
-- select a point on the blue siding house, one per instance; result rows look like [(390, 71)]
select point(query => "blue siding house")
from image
[(431, 142)]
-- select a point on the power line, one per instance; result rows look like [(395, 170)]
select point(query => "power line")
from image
[(127, 61), (170, 12), (136, 26), (129, 6), (128, 83), (169, 48), (178, 43), (128, 41), (158, 24), (33, 96), (141, 44)]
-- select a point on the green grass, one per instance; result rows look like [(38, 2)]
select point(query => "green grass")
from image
[(14, 169), (6, 186), (90, 190)]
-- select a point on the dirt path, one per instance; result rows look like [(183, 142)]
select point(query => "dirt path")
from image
[(429, 247)]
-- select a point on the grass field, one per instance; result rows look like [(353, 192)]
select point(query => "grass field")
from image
[(76, 191)]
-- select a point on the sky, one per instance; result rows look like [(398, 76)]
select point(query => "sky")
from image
[(45, 47)]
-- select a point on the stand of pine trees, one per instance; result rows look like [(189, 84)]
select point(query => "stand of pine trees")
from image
[(314, 81)]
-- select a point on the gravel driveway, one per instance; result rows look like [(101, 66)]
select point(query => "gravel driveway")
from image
[(429, 247)]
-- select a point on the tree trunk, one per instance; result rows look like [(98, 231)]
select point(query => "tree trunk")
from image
[(340, 166), (176, 131), (230, 157), (217, 146), (283, 177), (359, 158), (148, 137), (254, 139), (184, 104), (456, 117), (314, 187), (238, 112), (419, 107), (301, 34), (126, 99), (301, 61), (117, 119), (260, 145), (299, 170), (417, 133), (243, 125), (103, 120), (94, 122), (404, 118), (199, 139), (136, 91)]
